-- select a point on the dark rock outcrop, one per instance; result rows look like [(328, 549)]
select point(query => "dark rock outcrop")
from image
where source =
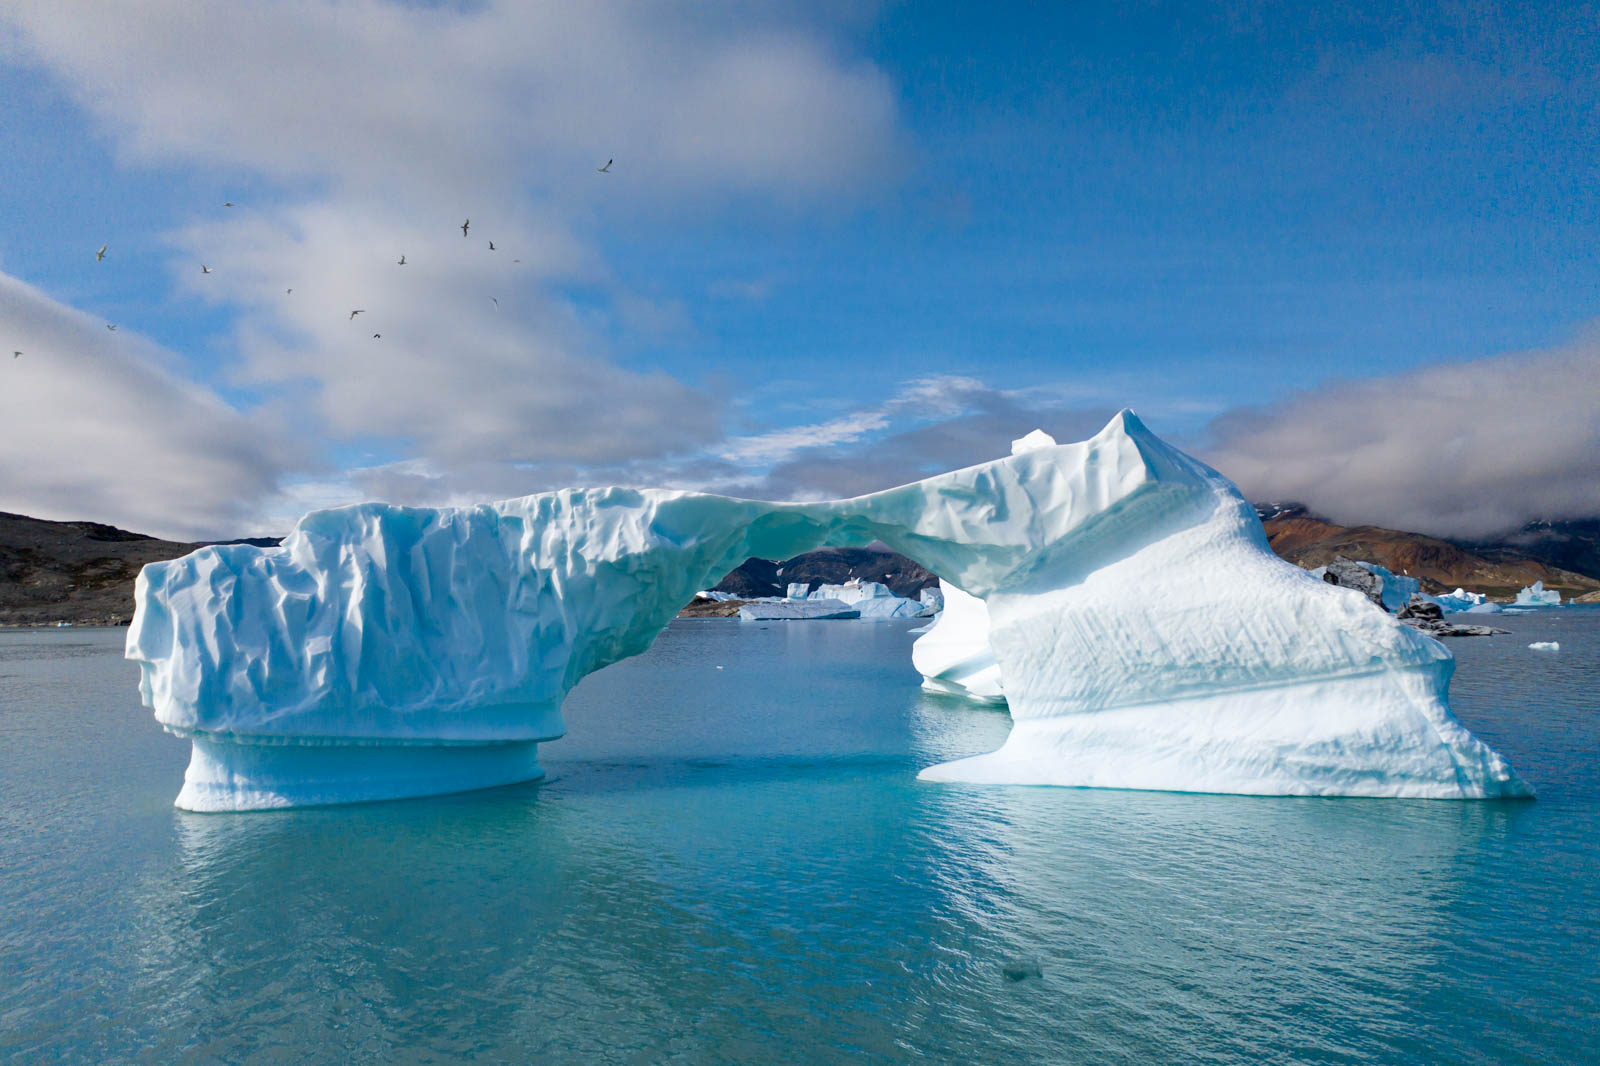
[(1429, 617)]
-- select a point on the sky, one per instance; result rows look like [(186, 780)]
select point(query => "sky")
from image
[(1348, 254)]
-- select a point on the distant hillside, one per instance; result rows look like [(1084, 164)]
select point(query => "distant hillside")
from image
[(832, 566), (1309, 541), (1572, 545), (80, 572)]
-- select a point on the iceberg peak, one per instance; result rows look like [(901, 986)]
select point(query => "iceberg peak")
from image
[(1120, 596)]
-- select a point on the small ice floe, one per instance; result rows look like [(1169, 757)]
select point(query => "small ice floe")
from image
[(1545, 645), (1020, 969)]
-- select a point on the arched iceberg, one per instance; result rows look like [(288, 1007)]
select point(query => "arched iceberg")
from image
[(1146, 636)]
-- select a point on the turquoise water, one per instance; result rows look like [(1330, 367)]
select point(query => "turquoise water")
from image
[(738, 865)]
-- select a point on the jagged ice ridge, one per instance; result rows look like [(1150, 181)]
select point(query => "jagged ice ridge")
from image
[(1145, 635)]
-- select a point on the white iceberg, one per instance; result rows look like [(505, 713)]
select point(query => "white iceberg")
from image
[(1459, 600), (1545, 645), (872, 599), (931, 598), (797, 590), (1146, 635), (796, 610), (954, 655), (717, 597), (1536, 595)]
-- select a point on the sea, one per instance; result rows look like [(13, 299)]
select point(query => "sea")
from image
[(731, 861)]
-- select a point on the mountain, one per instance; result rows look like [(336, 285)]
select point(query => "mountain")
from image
[(828, 566), (80, 572), (1499, 570), (1572, 545)]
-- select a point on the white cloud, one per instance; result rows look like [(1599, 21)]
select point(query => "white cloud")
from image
[(380, 126), (499, 96), (92, 425), (1459, 449)]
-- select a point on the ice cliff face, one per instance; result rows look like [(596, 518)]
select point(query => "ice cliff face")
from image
[(1146, 636)]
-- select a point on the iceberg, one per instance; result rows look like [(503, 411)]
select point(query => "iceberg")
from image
[(795, 610), (954, 655), (1545, 645), (1388, 590), (1146, 635), (1536, 595), (1459, 600), (797, 590), (872, 599), (932, 598)]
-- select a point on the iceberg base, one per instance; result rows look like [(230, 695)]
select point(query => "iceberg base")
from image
[(231, 774), (1379, 735)]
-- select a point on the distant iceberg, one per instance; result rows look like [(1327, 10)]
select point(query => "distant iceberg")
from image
[(1545, 645), (796, 610), (872, 599), (1459, 600), (1536, 595), (1390, 590), (1145, 634)]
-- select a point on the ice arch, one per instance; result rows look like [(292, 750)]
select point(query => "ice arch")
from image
[(1147, 636)]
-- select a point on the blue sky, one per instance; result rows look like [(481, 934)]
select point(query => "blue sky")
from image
[(839, 247)]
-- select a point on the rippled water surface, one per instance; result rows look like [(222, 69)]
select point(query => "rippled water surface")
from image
[(738, 865)]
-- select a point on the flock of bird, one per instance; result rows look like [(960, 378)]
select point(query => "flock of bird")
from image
[(466, 225)]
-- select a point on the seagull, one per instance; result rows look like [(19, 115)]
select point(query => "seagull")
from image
[(101, 254), (375, 336), (464, 226), (112, 328), (16, 355), (353, 314), (402, 261), (491, 246), (607, 168), (204, 269)]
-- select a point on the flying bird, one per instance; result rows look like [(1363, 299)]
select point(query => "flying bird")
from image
[(516, 260), (101, 254), (375, 336), (353, 314), (16, 355), (464, 226), (286, 292), (112, 328), (402, 261), (491, 246), (607, 168), (227, 203), (204, 269), (495, 302)]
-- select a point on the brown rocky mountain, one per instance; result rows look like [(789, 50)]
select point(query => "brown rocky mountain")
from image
[(1310, 541), (80, 572)]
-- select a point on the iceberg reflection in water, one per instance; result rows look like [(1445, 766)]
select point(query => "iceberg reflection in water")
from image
[(752, 870)]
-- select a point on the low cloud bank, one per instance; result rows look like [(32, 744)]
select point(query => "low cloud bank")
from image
[(1462, 449)]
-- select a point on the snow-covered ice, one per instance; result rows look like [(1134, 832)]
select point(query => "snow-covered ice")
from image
[(716, 597), (1536, 595), (1459, 600), (1145, 634), (954, 655), (796, 610), (872, 598), (1545, 645), (797, 590)]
